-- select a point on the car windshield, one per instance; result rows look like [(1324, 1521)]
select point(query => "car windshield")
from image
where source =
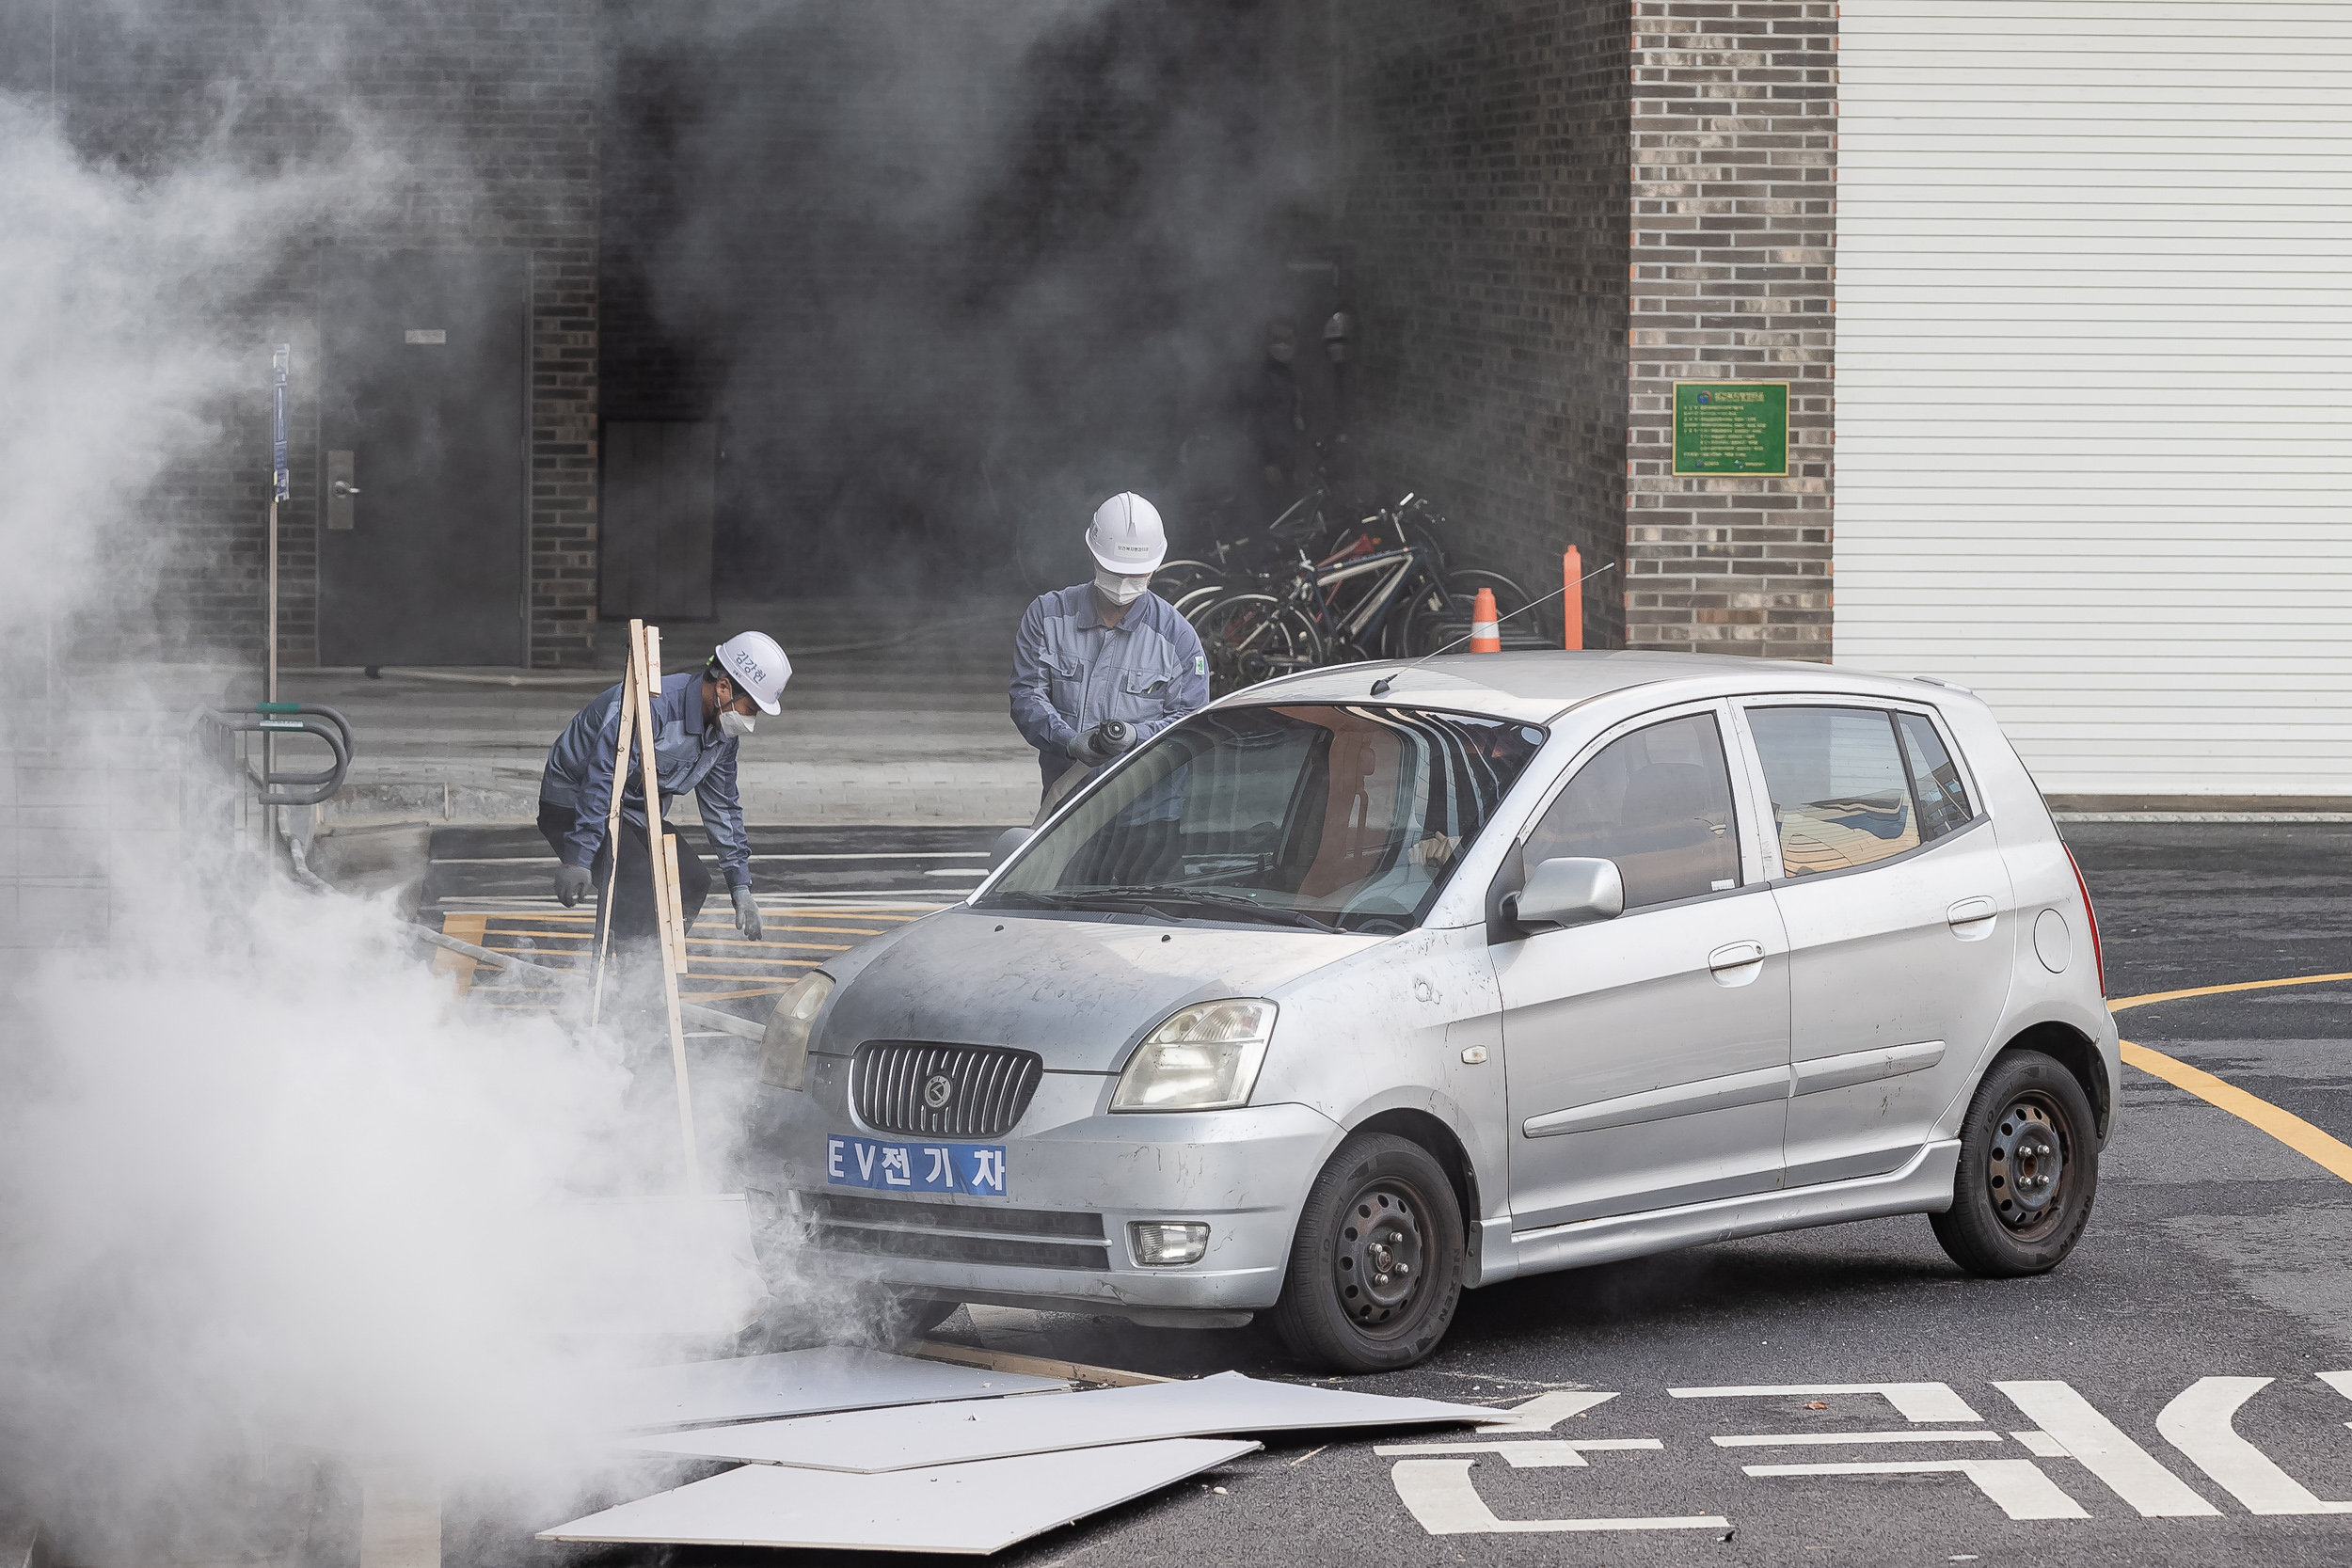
[(1334, 818)]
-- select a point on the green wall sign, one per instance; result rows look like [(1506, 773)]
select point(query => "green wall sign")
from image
[(1731, 427)]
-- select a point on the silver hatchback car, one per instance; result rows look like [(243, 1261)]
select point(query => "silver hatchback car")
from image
[(1365, 987)]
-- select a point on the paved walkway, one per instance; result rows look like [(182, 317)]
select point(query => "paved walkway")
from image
[(916, 732)]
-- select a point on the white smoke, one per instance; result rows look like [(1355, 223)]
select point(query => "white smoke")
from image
[(267, 1188)]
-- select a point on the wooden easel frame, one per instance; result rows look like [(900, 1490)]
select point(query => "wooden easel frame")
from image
[(638, 687)]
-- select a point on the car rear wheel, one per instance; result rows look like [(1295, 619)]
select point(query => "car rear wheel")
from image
[(2028, 1170), (1375, 1271)]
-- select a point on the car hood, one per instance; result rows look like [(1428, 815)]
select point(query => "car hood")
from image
[(1079, 991)]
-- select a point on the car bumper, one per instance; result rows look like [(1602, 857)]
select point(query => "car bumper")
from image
[(1076, 1177)]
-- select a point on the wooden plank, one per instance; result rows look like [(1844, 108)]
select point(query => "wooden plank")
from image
[(670, 934), (677, 900), (464, 928), (621, 737), (1035, 1365)]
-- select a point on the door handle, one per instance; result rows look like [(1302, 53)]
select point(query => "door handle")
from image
[(343, 483), (1969, 911), (1735, 955)]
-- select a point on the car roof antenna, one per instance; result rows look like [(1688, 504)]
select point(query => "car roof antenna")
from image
[(1380, 686)]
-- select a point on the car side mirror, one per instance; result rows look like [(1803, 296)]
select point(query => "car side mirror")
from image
[(1571, 890), (1007, 843)]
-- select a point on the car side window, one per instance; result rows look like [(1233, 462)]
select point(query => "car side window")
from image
[(1657, 802), (1942, 799), (1841, 797)]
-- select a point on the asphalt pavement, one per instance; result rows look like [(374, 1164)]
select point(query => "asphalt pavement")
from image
[(1846, 1395)]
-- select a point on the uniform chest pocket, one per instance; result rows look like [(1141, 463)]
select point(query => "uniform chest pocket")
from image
[(1140, 694), (675, 753)]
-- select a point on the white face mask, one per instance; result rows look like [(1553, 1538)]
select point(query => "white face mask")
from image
[(1119, 590), (732, 723)]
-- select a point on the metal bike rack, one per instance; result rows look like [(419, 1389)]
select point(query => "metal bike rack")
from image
[(217, 727)]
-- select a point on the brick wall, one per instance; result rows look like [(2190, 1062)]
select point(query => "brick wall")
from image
[(1481, 213), (1549, 213), (475, 121), (1734, 152)]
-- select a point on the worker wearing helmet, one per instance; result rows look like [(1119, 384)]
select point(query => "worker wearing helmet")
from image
[(699, 719), (1109, 649)]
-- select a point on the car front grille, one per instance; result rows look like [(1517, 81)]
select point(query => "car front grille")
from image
[(979, 1092), (948, 1233)]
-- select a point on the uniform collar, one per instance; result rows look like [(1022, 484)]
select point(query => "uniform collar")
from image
[(1090, 610)]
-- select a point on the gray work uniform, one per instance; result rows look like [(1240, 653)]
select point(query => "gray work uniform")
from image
[(576, 785), (1071, 671)]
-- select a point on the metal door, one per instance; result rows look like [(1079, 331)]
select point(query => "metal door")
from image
[(1646, 1057), (421, 431), (656, 517), (1900, 967)]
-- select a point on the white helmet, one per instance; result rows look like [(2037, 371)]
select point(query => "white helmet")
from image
[(1126, 536), (754, 662)]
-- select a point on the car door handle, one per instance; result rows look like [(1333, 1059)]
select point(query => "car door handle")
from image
[(1969, 911), (1735, 955)]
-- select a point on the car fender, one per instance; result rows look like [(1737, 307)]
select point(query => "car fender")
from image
[(2095, 1024), (1413, 1024)]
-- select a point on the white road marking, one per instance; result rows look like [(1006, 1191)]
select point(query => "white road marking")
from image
[(2079, 1432), (1913, 1401), (1536, 1454), (1799, 1439), (2341, 1383), (1547, 1410), (2042, 1445), (2016, 1485), (1444, 1501), (2199, 1423), (861, 855)]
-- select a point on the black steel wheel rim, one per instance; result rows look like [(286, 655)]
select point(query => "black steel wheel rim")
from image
[(1380, 1261), (2026, 1170)]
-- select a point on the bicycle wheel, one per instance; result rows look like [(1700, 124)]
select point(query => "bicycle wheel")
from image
[(1192, 604), (1176, 578), (1250, 637)]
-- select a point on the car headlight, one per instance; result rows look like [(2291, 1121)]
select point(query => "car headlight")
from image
[(784, 1050), (1204, 1058)]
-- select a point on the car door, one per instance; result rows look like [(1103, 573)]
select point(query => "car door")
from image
[(1646, 1056), (1897, 905)]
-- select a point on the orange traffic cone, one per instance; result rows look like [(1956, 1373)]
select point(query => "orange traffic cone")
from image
[(1485, 636)]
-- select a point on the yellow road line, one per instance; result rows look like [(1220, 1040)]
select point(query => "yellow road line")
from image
[(2288, 1128), (2117, 1006)]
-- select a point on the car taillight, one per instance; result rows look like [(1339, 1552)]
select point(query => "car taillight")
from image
[(2098, 959)]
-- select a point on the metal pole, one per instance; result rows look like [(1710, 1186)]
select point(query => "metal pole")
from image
[(279, 489)]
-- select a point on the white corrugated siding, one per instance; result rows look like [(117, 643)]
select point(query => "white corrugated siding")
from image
[(2095, 379)]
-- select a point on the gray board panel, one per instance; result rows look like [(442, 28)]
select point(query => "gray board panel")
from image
[(873, 1441), (973, 1509), (794, 1383)]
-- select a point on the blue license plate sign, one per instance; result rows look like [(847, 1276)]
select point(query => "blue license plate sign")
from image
[(976, 1170)]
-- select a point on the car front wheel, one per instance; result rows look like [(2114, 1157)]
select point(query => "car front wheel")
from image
[(2029, 1168), (1375, 1271)]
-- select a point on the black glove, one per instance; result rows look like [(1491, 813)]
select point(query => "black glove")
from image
[(746, 913), (571, 884), (1108, 739)]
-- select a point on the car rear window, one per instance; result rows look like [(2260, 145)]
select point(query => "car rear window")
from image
[(1841, 797), (1334, 816), (1942, 799)]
